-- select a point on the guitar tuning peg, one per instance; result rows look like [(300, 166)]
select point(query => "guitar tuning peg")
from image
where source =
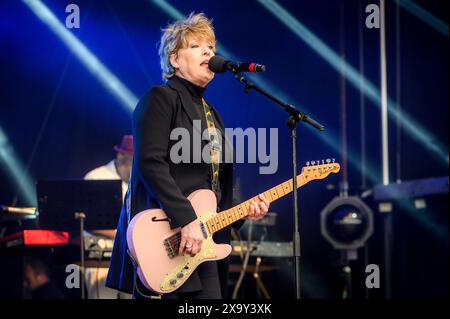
[(333, 160), (318, 162), (307, 163), (328, 161), (323, 161), (313, 163)]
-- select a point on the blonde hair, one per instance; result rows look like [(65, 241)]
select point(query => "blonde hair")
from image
[(176, 35)]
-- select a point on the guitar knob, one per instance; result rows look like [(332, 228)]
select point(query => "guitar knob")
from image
[(180, 275), (173, 282)]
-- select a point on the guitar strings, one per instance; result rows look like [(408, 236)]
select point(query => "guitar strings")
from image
[(175, 240)]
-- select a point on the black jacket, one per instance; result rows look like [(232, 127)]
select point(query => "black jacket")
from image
[(157, 182)]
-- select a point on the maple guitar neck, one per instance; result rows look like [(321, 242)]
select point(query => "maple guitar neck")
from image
[(229, 216), (309, 173)]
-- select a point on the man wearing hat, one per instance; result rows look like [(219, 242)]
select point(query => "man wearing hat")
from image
[(118, 168)]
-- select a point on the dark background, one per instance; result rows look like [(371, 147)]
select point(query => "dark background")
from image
[(61, 122)]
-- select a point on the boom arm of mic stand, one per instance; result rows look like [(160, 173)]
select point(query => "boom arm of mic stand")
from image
[(292, 110)]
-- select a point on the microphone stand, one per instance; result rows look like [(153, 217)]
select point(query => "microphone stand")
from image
[(294, 117)]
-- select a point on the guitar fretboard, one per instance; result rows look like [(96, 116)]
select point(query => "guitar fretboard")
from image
[(229, 216)]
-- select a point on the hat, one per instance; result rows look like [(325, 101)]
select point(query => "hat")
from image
[(126, 146)]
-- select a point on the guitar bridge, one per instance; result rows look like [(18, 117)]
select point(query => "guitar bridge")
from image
[(172, 245)]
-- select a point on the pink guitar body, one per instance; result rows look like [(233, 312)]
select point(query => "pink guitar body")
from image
[(146, 236)]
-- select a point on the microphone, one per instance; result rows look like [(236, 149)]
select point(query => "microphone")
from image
[(218, 64)]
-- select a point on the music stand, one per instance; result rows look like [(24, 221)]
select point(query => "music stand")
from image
[(72, 205)]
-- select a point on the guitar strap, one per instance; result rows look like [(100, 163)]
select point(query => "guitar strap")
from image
[(216, 149)]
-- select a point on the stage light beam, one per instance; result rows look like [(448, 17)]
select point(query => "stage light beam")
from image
[(412, 127), (126, 98), (15, 170), (424, 15)]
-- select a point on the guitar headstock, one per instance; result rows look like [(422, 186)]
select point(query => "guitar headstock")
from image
[(320, 169)]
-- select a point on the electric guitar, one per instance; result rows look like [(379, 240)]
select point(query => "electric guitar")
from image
[(154, 246)]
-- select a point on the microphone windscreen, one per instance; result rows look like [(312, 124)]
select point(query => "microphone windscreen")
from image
[(217, 64)]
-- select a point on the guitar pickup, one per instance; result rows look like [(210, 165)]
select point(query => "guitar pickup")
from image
[(203, 228)]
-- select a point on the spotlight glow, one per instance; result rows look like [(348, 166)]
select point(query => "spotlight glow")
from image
[(412, 127), (16, 170), (424, 15), (86, 57)]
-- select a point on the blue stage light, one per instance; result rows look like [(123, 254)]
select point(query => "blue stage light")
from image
[(412, 127), (86, 57), (16, 171)]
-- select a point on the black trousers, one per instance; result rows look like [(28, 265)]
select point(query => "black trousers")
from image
[(209, 278)]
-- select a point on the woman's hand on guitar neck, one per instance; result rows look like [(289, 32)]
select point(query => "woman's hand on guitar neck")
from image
[(191, 238), (258, 211)]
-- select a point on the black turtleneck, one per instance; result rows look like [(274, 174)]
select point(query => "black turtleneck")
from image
[(195, 90)]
